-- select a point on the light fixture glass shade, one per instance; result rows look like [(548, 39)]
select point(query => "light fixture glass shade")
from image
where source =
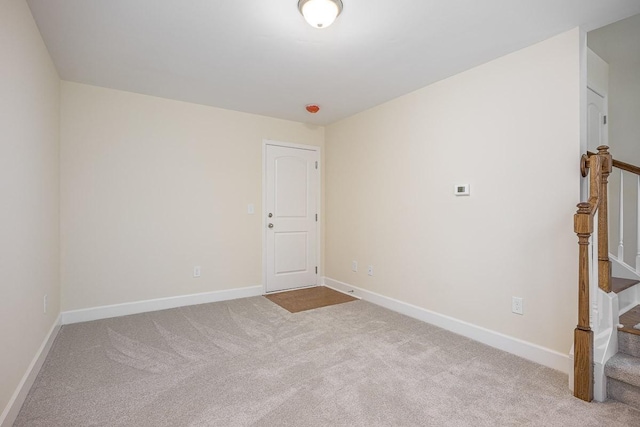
[(320, 13)]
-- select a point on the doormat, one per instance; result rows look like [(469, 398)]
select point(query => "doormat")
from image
[(308, 298)]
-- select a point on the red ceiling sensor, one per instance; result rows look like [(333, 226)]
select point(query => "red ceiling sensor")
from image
[(312, 108)]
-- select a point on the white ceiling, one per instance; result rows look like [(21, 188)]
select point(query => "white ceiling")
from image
[(260, 56)]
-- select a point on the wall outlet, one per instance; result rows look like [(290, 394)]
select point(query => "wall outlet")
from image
[(196, 271), (251, 209), (370, 270), (45, 304), (354, 266), (516, 305)]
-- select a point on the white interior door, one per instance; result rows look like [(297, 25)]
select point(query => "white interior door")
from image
[(291, 223), (596, 121)]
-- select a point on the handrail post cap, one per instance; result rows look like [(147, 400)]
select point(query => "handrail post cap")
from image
[(584, 165), (584, 207)]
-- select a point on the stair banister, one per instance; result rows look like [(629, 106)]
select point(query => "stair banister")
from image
[(604, 264), (598, 166), (592, 328), (635, 170), (583, 335)]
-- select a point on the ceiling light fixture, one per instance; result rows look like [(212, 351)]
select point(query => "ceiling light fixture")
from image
[(320, 13)]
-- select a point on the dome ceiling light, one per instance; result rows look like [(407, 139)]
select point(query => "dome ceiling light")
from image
[(320, 13)]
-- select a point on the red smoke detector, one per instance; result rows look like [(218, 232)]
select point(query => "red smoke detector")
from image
[(313, 108)]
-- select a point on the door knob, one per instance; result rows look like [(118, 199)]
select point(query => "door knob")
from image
[(270, 214), (270, 225)]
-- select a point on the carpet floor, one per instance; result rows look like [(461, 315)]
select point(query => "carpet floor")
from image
[(250, 362)]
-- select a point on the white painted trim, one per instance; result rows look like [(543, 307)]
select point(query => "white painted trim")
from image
[(584, 131), (12, 409), (263, 213), (350, 292), (533, 352), (622, 269), (318, 150), (266, 142), (627, 299), (597, 74), (294, 289), (571, 371), (125, 309)]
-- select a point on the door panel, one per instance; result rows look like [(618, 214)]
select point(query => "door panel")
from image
[(292, 181), (291, 252), (291, 187)]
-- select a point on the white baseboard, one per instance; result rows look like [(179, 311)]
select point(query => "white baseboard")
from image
[(12, 409), (524, 349), (125, 309)]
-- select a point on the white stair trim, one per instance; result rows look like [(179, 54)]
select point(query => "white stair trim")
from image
[(605, 343), (622, 269), (629, 298)]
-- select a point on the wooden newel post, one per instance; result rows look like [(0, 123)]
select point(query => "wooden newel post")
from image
[(583, 335), (604, 264)]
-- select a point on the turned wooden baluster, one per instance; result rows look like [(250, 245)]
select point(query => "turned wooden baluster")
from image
[(583, 335), (604, 264)]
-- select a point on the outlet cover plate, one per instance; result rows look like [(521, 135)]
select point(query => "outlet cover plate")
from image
[(517, 305)]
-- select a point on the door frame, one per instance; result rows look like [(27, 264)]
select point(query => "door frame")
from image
[(317, 149)]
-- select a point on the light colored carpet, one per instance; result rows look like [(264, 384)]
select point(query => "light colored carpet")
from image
[(250, 362)]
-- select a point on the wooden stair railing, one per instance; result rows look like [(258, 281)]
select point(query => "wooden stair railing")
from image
[(628, 169), (599, 167)]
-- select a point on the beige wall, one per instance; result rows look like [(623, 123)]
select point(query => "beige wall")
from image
[(510, 128), (153, 187), (29, 221), (617, 44)]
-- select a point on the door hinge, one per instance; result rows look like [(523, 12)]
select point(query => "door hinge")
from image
[(316, 217), (604, 122), (316, 164), (316, 270)]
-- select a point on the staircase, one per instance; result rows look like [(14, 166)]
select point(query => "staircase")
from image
[(606, 351), (623, 369)]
